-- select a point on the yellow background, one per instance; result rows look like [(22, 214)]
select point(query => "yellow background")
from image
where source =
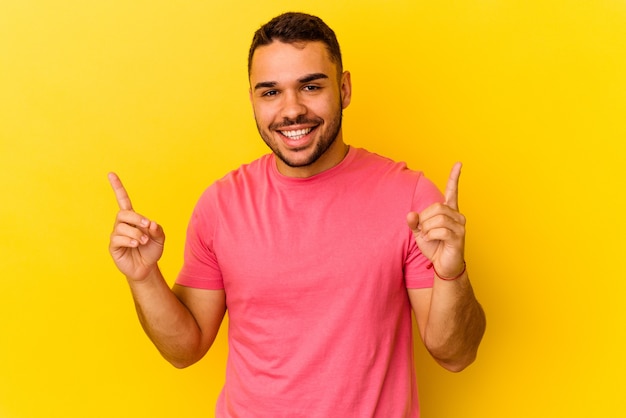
[(530, 95)]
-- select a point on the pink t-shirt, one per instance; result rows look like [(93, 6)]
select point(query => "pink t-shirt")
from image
[(315, 272)]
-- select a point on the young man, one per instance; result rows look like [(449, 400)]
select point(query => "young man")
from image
[(310, 250)]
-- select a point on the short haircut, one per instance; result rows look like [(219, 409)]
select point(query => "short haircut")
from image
[(294, 27)]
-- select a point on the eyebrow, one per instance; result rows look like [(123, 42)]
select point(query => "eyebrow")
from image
[(312, 77), (306, 79)]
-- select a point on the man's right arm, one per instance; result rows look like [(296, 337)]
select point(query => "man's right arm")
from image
[(181, 322)]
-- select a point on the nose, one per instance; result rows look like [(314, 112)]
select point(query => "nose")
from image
[(293, 106)]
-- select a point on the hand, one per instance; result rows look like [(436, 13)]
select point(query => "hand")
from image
[(136, 242), (439, 230)]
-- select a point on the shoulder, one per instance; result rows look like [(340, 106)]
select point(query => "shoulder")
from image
[(252, 172), (235, 183), (397, 178), (383, 167), (249, 172)]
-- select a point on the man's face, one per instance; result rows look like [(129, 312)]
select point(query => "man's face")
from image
[(297, 98)]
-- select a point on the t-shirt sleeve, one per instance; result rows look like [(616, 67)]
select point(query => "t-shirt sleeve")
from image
[(200, 268), (417, 273)]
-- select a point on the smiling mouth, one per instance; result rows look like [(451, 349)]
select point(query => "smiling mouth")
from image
[(296, 134)]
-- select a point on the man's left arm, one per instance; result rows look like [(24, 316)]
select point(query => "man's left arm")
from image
[(450, 319)]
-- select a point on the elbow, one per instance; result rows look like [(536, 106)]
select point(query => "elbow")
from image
[(182, 360), (185, 352), (456, 353), (458, 364), (453, 355), (183, 363), (180, 364), (453, 360)]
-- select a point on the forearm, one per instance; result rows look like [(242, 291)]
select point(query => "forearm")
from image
[(166, 320), (456, 323)]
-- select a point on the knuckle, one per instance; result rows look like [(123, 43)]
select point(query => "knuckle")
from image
[(120, 217)]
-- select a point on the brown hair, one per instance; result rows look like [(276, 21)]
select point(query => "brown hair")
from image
[(297, 27)]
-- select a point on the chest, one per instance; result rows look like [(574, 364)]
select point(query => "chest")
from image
[(277, 247)]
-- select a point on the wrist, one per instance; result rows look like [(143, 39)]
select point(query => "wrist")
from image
[(449, 278), (149, 275)]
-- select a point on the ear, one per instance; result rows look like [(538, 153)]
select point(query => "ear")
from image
[(346, 89)]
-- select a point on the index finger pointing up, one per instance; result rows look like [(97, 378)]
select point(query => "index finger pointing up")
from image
[(120, 192), (452, 188)]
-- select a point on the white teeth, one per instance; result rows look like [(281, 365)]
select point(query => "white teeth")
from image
[(297, 134)]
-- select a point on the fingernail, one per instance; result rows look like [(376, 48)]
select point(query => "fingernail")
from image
[(144, 239), (145, 222)]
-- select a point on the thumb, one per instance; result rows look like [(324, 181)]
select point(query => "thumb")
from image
[(413, 220), (156, 232)]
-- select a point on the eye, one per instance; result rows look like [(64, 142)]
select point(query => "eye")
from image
[(310, 87), (269, 93)]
